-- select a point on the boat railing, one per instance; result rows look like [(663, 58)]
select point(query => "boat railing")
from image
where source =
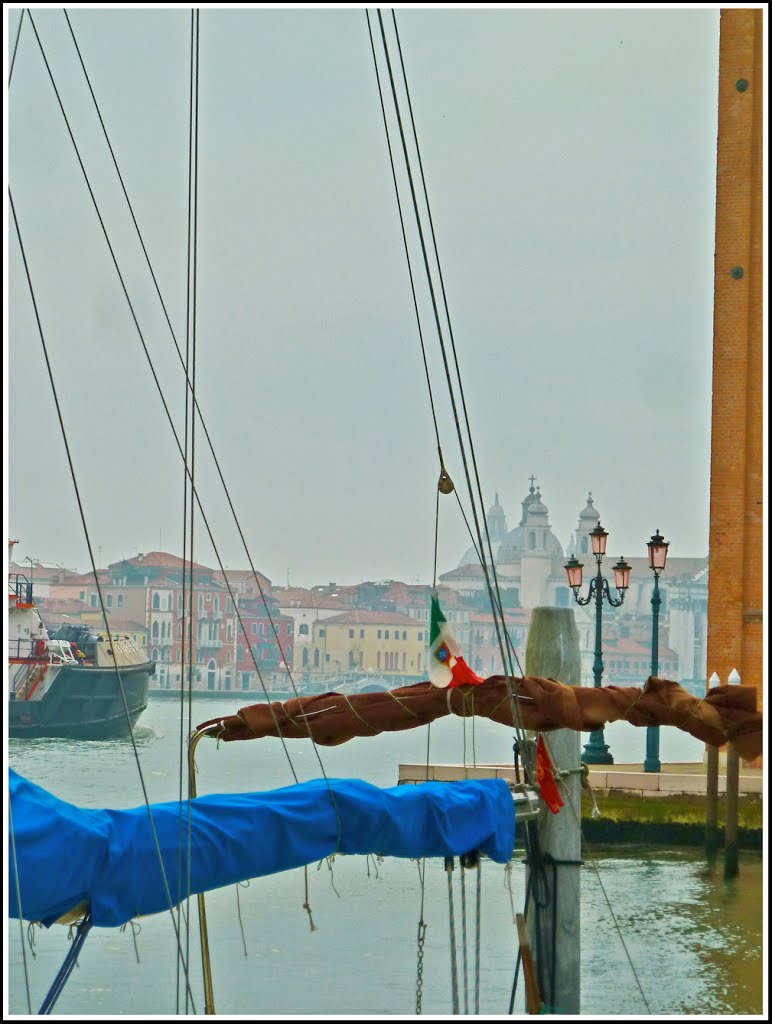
[(52, 652), (20, 588)]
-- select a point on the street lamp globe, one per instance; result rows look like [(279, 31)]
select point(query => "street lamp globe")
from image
[(657, 552), (573, 569), (621, 574), (598, 540)]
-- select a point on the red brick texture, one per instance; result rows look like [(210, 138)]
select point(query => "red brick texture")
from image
[(737, 457)]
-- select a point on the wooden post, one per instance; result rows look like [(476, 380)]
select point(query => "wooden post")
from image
[(731, 867), (711, 805), (711, 792), (532, 997), (553, 651)]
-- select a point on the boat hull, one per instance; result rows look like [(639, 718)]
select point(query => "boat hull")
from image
[(83, 703)]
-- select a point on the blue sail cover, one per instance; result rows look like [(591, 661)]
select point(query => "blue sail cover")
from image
[(66, 855)]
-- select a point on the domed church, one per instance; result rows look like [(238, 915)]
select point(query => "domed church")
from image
[(529, 558)]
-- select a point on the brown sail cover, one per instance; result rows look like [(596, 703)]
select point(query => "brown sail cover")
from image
[(726, 713)]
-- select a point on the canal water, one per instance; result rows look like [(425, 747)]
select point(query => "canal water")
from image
[(662, 932)]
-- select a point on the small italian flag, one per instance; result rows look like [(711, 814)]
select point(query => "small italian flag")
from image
[(446, 666)]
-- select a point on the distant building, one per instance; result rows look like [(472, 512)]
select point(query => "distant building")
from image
[(530, 560)]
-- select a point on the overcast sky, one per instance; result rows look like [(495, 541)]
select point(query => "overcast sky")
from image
[(570, 160)]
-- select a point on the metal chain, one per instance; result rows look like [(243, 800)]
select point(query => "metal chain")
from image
[(420, 975)]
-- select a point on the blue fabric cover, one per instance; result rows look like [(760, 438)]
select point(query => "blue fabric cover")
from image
[(68, 854)]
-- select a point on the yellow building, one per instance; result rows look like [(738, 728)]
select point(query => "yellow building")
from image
[(361, 641)]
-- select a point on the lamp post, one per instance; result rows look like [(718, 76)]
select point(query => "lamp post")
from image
[(596, 750), (657, 557)]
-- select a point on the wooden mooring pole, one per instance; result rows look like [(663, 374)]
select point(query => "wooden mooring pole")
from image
[(553, 652), (711, 805), (731, 865)]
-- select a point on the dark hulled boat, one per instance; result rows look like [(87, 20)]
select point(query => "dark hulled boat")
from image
[(71, 683)]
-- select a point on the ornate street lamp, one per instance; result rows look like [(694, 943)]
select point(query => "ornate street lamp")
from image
[(657, 557), (596, 750)]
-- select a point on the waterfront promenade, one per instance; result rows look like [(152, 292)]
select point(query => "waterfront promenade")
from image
[(686, 778)]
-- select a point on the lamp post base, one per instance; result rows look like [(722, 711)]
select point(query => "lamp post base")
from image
[(597, 751), (652, 765)]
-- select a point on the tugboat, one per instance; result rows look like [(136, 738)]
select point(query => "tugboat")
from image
[(71, 683)]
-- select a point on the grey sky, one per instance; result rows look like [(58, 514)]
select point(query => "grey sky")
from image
[(570, 157)]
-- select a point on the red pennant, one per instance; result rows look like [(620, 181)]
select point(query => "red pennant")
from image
[(545, 778)]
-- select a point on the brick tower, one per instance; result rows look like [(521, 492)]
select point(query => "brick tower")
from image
[(736, 486)]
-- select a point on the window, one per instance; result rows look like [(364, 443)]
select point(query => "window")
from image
[(351, 634), (361, 634), (322, 632), (303, 629), (326, 657), (120, 600), (216, 603), (155, 631), (208, 598), (404, 634), (420, 636), (200, 602), (83, 595), (378, 660), (254, 628), (156, 600), (109, 600), (92, 600), (289, 629), (240, 652), (379, 634), (387, 634), (262, 629)]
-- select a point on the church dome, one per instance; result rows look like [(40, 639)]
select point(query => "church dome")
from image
[(589, 511), (533, 534)]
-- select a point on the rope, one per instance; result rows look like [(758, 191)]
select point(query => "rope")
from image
[(453, 965), (67, 967), (464, 938), (477, 939)]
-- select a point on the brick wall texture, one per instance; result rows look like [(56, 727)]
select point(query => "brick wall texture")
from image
[(736, 513)]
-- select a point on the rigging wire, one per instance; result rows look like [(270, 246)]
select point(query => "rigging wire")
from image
[(202, 421), (492, 587), (165, 405), (18, 904), (194, 492), (16, 46), (189, 459), (91, 557), (495, 603)]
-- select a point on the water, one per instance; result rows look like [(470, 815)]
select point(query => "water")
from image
[(692, 943)]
